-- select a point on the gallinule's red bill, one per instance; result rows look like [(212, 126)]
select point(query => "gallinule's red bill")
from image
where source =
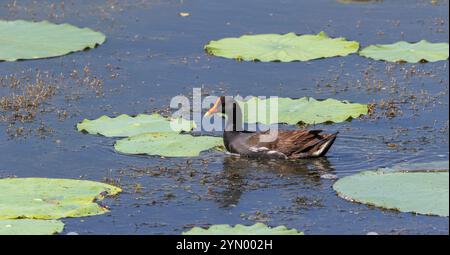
[(288, 144)]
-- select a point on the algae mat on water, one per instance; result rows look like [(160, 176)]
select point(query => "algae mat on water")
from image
[(256, 229), (304, 110), (418, 192), (30, 227), (125, 125), (407, 52), (20, 39), (43, 198), (167, 144), (285, 48)]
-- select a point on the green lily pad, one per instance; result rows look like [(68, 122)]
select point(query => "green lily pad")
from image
[(43, 198), (285, 48), (305, 110), (167, 144), (30, 227), (125, 125), (435, 165), (407, 52), (256, 229), (22, 39), (418, 192)]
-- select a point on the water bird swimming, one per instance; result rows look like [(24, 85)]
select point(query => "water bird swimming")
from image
[(287, 144)]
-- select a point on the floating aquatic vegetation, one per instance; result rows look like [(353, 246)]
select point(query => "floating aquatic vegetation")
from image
[(151, 135), (30, 227), (407, 52), (305, 110), (43, 198), (25, 101), (256, 229), (435, 165), (285, 48), (418, 192), (22, 39), (125, 125), (169, 144)]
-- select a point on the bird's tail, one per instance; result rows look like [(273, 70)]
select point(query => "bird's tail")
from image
[(322, 147)]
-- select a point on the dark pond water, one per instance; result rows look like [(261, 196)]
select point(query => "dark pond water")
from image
[(153, 54)]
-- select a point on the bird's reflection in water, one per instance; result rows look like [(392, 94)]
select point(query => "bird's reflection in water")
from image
[(241, 174)]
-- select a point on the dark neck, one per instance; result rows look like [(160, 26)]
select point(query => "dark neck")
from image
[(234, 119)]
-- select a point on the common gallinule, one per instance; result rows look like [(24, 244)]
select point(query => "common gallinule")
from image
[(287, 144)]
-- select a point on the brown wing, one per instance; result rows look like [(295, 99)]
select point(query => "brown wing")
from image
[(292, 141)]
